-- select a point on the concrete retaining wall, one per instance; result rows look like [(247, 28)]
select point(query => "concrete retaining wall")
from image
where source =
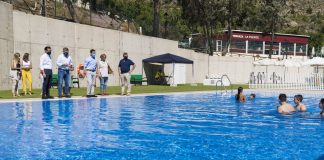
[(6, 44), (31, 33)]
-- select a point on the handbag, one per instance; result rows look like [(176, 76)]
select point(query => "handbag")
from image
[(110, 71)]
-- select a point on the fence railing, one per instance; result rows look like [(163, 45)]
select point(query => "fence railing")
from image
[(293, 81)]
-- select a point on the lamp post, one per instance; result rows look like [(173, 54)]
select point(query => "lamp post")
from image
[(166, 16)]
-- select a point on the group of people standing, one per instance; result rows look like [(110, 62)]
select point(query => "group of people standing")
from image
[(21, 70), (101, 69), (92, 69)]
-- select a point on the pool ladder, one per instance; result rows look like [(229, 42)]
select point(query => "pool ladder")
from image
[(220, 83)]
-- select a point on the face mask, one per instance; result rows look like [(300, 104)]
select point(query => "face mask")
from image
[(49, 53), (93, 55), (66, 54), (125, 57)]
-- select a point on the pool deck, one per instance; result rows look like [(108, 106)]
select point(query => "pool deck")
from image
[(170, 93)]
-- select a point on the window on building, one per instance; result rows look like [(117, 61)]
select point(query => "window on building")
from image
[(219, 46), (255, 47), (301, 49), (237, 44), (275, 48), (287, 48)]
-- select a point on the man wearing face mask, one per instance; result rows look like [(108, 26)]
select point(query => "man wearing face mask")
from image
[(64, 64), (46, 71), (125, 71), (90, 70)]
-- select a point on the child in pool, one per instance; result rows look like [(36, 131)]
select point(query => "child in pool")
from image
[(284, 108), (299, 106), (321, 106), (252, 96)]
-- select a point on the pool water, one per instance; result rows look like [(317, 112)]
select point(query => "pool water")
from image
[(180, 126)]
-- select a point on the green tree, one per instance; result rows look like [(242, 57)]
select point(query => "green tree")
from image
[(272, 20), (175, 25), (92, 4), (156, 14), (140, 12), (232, 8), (316, 40), (70, 6), (205, 15)]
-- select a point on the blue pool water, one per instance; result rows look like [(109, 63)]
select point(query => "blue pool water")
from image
[(185, 126)]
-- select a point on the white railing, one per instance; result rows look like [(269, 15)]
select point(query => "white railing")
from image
[(292, 80)]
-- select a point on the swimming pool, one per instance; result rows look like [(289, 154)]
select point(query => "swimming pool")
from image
[(177, 126)]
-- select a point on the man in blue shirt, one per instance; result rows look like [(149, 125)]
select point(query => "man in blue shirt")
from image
[(90, 70), (64, 64), (125, 71)]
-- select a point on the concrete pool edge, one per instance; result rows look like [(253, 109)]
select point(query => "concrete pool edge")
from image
[(101, 97), (167, 93)]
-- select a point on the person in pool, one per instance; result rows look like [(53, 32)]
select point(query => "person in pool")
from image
[(284, 108), (252, 96), (298, 101), (240, 97), (321, 106)]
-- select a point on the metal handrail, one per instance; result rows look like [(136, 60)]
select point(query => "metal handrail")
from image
[(222, 84), (218, 82), (230, 82)]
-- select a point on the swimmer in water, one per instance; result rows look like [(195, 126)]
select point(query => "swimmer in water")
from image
[(298, 101), (240, 96), (321, 106), (284, 108), (252, 96)]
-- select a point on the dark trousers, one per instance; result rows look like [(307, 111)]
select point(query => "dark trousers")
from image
[(47, 82)]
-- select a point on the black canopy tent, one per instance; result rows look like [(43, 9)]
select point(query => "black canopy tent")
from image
[(169, 58)]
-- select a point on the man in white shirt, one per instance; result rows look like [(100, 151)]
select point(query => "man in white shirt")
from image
[(46, 70), (65, 65)]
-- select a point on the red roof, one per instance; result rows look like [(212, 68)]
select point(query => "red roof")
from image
[(259, 36)]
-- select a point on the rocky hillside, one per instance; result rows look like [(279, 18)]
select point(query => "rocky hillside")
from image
[(305, 16), (60, 11)]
